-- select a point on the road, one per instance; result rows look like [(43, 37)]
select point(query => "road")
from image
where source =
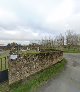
[(68, 80)]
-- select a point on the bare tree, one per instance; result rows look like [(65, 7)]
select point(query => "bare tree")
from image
[(59, 40), (47, 43), (71, 38)]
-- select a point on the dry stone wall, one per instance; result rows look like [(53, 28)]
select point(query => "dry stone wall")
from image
[(32, 63)]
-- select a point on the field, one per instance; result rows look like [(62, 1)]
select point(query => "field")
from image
[(71, 50)]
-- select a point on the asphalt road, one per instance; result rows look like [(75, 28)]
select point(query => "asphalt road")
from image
[(68, 80)]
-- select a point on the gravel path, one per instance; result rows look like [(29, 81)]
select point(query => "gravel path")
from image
[(68, 80)]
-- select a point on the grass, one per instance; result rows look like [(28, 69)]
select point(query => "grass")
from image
[(4, 87), (35, 81), (71, 50), (65, 49)]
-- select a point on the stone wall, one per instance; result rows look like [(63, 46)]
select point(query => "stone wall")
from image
[(32, 63)]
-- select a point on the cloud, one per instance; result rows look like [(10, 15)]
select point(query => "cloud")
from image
[(7, 16), (35, 19)]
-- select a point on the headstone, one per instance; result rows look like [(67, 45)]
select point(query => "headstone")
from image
[(13, 57)]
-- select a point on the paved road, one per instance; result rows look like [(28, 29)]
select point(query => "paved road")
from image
[(68, 80)]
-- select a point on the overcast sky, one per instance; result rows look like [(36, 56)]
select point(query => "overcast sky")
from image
[(23, 20)]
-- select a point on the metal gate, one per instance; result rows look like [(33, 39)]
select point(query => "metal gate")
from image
[(3, 69), (3, 76)]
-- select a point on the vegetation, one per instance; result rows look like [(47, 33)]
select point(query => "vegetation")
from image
[(69, 43), (4, 54), (4, 87), (38, 79), (72, 50)]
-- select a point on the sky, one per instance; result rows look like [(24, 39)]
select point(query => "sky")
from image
[(27, 20)]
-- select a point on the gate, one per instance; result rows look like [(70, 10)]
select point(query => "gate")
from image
[(3, 69), (3, 76)]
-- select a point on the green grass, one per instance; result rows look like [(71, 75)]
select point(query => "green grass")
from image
[(66, 49), (39, 79), (71, 50)]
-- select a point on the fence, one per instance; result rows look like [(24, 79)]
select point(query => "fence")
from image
[(3, 69), (3, 63), (3, 75)]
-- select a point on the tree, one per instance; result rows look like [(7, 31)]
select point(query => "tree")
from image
[(71, 38), (47, 43), (59, 40)]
